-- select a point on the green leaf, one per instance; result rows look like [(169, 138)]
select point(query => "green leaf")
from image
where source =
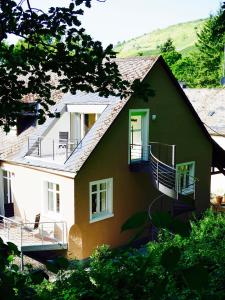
[(71, 7), (37, 276), (13, 248), (162, 219), (52, 266), (181, 228), (10, 258), (137, 220), (14, 268), (170, 258), (137, 235), (196, 277), (62, 262)]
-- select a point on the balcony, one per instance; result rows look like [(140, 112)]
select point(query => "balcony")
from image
[(158, 160), (37, 236), (57, 150)]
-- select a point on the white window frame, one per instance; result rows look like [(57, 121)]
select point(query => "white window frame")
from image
[(55, 192), (191, 188), (8, 178), (109, 200)]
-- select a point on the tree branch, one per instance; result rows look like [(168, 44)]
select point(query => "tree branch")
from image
[(28, 4)]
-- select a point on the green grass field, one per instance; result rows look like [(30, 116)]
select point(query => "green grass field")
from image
[(184, 36)]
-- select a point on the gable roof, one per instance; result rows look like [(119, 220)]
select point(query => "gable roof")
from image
[(131, 69)]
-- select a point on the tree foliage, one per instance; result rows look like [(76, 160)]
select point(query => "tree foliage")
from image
[(204, 66), (210, 55), (175, 267), (169, 52), (53, 42)]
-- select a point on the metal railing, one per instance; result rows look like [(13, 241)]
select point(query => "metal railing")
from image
[(165, 176), (52, 149), (163, 173), (32, 234), (164, 152)]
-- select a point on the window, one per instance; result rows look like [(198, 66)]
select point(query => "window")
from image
[(101, 199), (185, 178), (53, 204), (8, 196)]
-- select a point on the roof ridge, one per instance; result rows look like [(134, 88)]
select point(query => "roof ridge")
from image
[(138, 57)]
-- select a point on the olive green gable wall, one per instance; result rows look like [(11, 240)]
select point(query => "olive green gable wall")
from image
[(134, 192)]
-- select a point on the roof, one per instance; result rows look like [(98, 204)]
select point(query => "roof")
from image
[(130, 69), (10, 143), (210, 106)]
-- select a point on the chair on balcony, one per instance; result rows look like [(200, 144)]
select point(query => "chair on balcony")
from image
[(63, 139), (33, 227)]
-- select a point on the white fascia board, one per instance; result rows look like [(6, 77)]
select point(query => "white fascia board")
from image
[(220, 140), (86, 109)]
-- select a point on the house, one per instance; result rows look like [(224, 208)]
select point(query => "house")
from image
[(210, 106), (79, 177)]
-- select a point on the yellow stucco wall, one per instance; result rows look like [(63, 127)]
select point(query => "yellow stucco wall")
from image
[(134, 192)]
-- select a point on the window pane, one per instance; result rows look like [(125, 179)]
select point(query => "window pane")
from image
[(94, 188), (94, 203), (4, 173), (57, 202), (102, 201), (5, 183), (103, 186), (57, 187), (50, 185), (50, 201)]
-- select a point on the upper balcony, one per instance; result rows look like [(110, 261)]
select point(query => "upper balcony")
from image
[(61, 137), (52, 149)]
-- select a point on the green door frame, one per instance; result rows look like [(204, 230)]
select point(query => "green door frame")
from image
[(144, 133)]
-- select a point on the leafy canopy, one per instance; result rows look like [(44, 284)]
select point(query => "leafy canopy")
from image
[(205, 66), (169, 52), (53, 43)]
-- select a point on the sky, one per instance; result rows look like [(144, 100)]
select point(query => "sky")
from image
[(118, 20)]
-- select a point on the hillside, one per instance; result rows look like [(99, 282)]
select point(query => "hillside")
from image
[(184, 36)]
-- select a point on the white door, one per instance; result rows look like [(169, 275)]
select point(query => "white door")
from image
[(139, 135)]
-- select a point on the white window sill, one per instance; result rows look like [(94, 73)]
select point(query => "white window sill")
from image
[(102, 217)]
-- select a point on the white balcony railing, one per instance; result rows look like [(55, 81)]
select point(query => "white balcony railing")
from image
[(52, 149), (33, 236)]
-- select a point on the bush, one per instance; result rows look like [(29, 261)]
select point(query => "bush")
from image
[(175, 267)]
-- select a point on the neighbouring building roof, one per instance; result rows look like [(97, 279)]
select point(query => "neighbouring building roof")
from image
[(210, 106)]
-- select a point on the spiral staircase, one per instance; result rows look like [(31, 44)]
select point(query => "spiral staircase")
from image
[(158, 160)]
